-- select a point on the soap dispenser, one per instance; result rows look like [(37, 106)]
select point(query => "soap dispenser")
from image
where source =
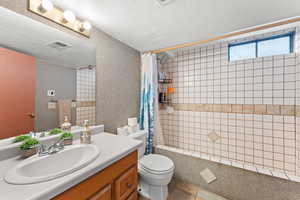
[(66, 126), (85, 136)]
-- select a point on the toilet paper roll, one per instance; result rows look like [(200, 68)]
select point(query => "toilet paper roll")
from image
[(132, 121)]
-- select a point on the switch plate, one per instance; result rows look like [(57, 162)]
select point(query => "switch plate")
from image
[(51, 93)]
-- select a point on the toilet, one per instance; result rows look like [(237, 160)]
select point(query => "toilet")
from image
[(155, 171)]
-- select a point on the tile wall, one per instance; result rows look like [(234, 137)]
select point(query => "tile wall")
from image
[(86, 96), (242, 111)]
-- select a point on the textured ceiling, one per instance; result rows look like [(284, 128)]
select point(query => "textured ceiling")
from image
[(28, 36), (145, 25)]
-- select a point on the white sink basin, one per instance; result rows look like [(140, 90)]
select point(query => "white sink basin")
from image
[(40, 169)]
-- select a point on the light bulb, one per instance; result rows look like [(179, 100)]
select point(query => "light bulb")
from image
[(69, 16), (46, 5), (85, 26)]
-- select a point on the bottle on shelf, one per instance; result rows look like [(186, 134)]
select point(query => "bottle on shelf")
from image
[(85, 136)]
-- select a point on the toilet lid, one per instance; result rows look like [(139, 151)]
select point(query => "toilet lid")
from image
[(156, 162)]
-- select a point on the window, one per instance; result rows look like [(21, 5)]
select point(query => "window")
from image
[(282, 44), (243, 51), (275, 46)]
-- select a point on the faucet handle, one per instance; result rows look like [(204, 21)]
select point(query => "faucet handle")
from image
[(60, 144), (32, 134), (41, 149)]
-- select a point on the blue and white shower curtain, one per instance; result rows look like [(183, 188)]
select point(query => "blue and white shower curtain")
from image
[(148, 96)]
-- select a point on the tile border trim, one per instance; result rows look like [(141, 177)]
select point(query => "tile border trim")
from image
[(81, 104), (261, 109)]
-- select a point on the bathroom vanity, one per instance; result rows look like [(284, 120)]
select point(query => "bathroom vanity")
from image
[(118, 181), (111, 176)]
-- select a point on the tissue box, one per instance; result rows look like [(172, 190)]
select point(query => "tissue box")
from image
[(132, 122), (123, 131)]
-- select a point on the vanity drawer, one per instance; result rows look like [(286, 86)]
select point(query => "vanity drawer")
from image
[(103, 194), (126, 184)]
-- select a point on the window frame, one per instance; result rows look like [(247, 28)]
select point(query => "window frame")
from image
[(291, 36)]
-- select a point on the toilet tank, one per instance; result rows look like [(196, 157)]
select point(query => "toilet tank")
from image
[(140, 135)]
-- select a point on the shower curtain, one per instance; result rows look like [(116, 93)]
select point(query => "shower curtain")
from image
[(148, 114)]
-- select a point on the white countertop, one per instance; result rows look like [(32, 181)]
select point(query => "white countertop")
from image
[(112, 148)]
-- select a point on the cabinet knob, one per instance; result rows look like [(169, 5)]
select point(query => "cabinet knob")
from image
[(129, 185)]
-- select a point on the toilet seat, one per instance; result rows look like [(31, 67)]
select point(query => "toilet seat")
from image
[(156, 164)]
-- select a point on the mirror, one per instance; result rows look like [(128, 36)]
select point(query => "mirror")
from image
[(45, 76)]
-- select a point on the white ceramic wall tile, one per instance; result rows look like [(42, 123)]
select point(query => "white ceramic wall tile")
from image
[(86, 91), (203, 75), (260, 170)]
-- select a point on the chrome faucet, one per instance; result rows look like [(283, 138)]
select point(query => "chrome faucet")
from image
[(32, 134), (52, 149)]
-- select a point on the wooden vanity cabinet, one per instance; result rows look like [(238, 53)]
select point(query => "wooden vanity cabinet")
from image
[(118, 181), (103, 194)]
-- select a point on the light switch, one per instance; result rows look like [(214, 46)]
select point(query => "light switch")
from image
[(51, 93)]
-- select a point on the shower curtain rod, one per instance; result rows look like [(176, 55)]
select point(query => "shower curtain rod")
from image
[(86, 67), (250, 30)]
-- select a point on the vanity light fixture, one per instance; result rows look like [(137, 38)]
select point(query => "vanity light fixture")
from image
[(45, 6), (68, 17), (85, 26)]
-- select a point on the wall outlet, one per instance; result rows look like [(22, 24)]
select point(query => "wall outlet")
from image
[(51, 105), (51, 93)]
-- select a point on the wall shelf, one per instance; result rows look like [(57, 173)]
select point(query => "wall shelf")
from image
[(165, 102), (165, 81)]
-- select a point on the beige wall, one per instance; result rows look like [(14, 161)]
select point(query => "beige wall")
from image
[(118, 66), (118, 79)]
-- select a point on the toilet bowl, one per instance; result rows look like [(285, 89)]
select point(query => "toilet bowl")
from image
[(155, 171)]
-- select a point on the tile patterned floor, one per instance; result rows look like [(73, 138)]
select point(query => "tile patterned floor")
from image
[(185, 191)]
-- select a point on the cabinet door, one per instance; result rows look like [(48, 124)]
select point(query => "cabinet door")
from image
[(133, 196), (103, 194), (126, 184)]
